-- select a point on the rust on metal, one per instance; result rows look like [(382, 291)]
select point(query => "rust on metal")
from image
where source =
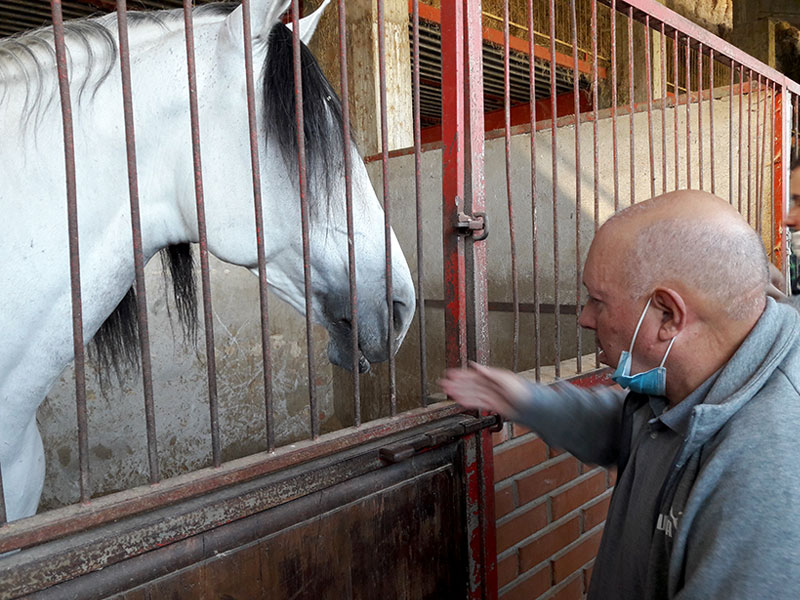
[(649, 82), (554, 156), (537, 353), (631, 105), (578, 174)]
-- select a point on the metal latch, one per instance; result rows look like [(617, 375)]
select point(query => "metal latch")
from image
[(476, 225), (400, 451)]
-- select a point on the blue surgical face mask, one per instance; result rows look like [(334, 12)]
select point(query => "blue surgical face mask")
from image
[(652, 382)]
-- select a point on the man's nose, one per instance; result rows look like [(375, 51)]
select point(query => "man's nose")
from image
[(586, 318)]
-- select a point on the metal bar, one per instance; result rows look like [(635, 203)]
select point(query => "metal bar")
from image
[(663, 110), (348, 188), (138, 252), (537, 353), (614, 100), (486, 513), (730, 135), (423, 356), (453, 182), (304, 218), (266, 355), (387, 205), (711, 138), (758, 158), (700, 113), (631, 104), (649, 83), (510, 202), (74, 258), (676, 89), (554, 146), (578, 174), (749, 146), (772, 170), (739, 127), (796, 108), (201, 229), (781, 147), (762, 160), (688, 114), (3, 514), (78, 517), (595, 152)]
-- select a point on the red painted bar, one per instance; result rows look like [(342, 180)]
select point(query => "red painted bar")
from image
[(750, 146), (711, 138), (649, 81), (772, 166), (783, 133), (348, 187), (739, 127), (730, 136), (676, 89), (138, 253), (453, 183), (423, 353), (758, 160), (556, 282), (688, 114), (304, 214), (537, 353), (631, 107), (700, 111), (509, 195), (74, 258), (663, 110), (387, 205), (578, 175)]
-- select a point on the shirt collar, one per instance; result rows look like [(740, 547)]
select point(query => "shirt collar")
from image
[(677, 418)]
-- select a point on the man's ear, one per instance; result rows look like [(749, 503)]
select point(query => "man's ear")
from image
[(674, 313)]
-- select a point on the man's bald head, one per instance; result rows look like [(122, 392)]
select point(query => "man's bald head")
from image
[(692, 241)]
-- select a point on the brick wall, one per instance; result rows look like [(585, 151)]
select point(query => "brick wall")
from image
[(550, 514)]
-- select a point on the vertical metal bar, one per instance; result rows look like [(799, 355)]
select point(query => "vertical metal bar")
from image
[(453, 182), (758, 158), (781, 148), (711, 138), (387, 205), (632, 106), (663, 110), (266, 355), (762, 157), (3, 514), (348, 187), (537, 357), (796, 109), (739, 127), (700, 112), (749, 145), (201, 229), (595, 150), (614, 100), (772, 169), (554, 146), (688, 114), (512, 231), (138, 252), (304, 218), (423, 353), (676, 88), (730, 134), (74, 257), (578, 174), (649, 83)]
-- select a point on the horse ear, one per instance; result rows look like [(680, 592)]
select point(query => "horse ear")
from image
[(263, 15), (309, 24)]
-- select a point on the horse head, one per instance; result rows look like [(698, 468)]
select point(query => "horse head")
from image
[(230, 196)]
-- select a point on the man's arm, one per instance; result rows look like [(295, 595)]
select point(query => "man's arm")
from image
[(584, 422)]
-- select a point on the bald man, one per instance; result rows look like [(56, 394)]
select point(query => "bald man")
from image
[(706, 439)]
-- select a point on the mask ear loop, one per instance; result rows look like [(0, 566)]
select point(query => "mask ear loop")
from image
[(638, 325), (664, 360)]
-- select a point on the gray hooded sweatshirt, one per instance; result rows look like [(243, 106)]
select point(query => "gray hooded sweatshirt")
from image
[(721, 514)]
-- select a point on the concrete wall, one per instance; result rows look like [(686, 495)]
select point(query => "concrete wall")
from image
[(116, 436)]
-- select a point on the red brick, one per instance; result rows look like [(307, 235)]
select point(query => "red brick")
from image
[(571, 591), (504, 500), (612, 477), (555, 451), (535, 584), (520, 526), (578, 494), (587, 575), (507, 569), (574, 559), (596, 513), (548, 543), (519, 430), (546, 479), (510, 460), (499, 437)]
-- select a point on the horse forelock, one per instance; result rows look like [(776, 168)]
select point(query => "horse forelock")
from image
[(322, 115)]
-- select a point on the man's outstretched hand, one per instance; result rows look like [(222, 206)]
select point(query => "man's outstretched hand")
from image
[(486, 388)]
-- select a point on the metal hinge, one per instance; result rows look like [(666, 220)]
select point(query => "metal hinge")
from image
[(400, 451), (475, 225)]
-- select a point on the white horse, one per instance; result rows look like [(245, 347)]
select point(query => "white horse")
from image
[(35, 300)]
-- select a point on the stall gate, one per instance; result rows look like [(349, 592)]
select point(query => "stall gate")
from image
[(519, 127)]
